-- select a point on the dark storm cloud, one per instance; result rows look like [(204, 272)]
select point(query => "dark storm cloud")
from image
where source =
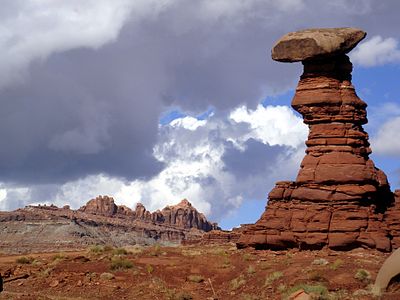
[(84, 111), (254, 160)]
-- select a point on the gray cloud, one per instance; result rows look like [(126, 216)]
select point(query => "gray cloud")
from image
[(89, 104)]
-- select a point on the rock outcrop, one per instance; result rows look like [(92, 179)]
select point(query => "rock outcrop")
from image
[(182, 215), (339, 199), (100, 221)]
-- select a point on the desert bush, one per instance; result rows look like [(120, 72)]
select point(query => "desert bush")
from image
[(191, 252), (156, 250), (118, 263), (248, 257), (237, 282), (319, 290), (316, 276), (96, 249), (272, 277), (25, 260), (149, 269), (107, 276), (336, 264), (45, 273), (226, 263), (251, 270), (195, 278), (362, 275), (264, 265), (108, 248), (120, 251), (59, 256)]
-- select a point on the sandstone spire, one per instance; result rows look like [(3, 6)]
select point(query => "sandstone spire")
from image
[(339, 198)]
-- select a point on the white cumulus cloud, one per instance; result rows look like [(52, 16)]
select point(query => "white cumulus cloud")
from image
[(35, 29), (376, 51), (387, 139), (215, 163)]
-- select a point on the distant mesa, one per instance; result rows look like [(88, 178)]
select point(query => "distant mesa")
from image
[(339, 200), (182, 214), (49, 228)]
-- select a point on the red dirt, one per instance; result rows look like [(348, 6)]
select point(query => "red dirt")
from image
[(163, 273)]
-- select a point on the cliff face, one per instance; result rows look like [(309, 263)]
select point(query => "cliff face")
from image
[(339, 199), (182, 215), (100, 221)]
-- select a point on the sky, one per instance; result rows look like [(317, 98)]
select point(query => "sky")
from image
[(154, 101)]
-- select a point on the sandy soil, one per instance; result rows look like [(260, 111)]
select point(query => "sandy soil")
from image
[(191, 272)]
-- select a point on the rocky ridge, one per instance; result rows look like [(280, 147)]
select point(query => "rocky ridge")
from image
[(100, 221), (340, 199)]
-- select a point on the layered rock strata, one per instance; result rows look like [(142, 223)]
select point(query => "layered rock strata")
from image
[(182, 215), (100, 221), (340, 199)]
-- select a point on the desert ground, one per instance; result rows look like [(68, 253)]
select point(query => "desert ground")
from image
[(192, 272)]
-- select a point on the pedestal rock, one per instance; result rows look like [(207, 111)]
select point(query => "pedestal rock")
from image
[(340, 199)]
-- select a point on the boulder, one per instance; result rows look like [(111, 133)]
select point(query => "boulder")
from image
[(316, 43)]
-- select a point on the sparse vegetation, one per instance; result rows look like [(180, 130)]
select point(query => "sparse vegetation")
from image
[(264, 265), (238, 282), (191, 252), (195, 278), (156, 250), (24, 260), (248, 257), (320, 262), (226, 263), (120, 251), (336, 264), (45, 273), (149, 269), (272, 277), (319, 290), (59, 256), (119, 263), (362, 275), (316, 276), (251, 270), (96, 249), (107, 276)]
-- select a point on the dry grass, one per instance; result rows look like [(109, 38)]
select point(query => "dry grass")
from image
[(119, 263)]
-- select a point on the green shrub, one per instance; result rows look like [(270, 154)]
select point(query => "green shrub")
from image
[(107, 276), (24, 260), (120, 251), (118, 263), (149, 269), (248, 257), (96, 249), (362, 275), (238, 282), (272, 277), (336, 264), (156, 250), (319, 290), (251, 270)]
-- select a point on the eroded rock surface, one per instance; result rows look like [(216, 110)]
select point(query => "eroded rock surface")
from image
[(100, 221), (316, 43), (339, 199)]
